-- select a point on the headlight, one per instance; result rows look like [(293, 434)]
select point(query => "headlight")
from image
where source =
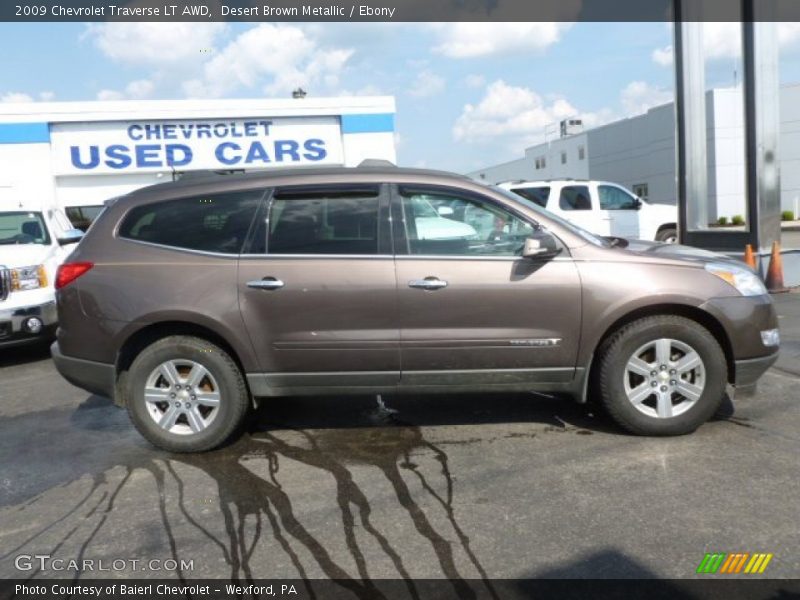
[(744, 280), (28, 278)]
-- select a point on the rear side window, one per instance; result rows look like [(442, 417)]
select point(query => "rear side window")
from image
[(575, 197), (323, 221), (211, 222), (537, 195)]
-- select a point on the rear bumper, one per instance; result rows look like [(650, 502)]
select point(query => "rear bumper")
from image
[(12, 331), (97, 378), (750, 370)]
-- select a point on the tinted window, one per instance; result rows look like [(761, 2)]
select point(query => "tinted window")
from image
[(575, 197), (19, 227), (83, 216), (334, 221), (538, 195), (450, 224), (212, 223), (613, 198)]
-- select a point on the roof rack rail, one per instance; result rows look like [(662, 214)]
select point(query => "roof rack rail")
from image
[(376, 162), (184, 175)]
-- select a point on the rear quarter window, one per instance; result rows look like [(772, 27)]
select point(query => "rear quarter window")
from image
[(537, 195), (210, 223)]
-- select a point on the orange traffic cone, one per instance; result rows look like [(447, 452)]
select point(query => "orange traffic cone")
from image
[(749, 258), (774, 279)]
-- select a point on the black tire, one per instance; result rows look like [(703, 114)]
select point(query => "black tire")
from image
[(668, 235), (234, 399), (617, 350)]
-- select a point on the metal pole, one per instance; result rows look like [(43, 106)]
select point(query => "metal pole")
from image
[(762, 121), (690, 119)]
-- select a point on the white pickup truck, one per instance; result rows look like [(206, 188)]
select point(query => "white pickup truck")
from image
[(602, 207), (32, 245)]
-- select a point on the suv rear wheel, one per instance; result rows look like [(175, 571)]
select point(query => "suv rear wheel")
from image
[(186, 394), (662, 375), (667, 235)]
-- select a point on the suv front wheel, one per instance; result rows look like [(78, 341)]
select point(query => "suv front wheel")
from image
[(661, 375), (186, 395)]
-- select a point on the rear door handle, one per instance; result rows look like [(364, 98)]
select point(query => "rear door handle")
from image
[(268, 283), (429, 283)]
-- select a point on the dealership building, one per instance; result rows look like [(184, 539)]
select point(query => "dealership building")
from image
[(639, 153), (75, 155)]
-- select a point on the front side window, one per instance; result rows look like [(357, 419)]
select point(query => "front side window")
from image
[(539, 195), (334, 221), (211, 223), (614, 198), (21, 227), (445, 224), (575, 197)]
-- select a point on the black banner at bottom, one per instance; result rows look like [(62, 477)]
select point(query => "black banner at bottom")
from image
[(391, 589)]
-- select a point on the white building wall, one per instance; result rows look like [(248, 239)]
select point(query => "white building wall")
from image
[(790, 148)]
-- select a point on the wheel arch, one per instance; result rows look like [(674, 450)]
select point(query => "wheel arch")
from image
[(692, 313), (151, 333)]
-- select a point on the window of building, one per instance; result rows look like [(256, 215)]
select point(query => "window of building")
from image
[(538, 195), (563, 158), (211, 223), (323, 221), (640, 189), (473, 227), (581, 152), (614, 198), (575, 197)]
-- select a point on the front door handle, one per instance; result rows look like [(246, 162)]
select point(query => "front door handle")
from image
[(268, 283), (429, 283)]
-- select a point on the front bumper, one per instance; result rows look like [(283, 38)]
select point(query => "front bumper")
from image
[(11, 320), (97, 378), (748, 371), (744, 318)]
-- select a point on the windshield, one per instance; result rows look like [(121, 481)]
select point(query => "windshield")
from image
[(588, 236), (23, 228)]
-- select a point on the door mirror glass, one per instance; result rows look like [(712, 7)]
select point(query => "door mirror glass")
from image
[(70, 236), (540, 245)]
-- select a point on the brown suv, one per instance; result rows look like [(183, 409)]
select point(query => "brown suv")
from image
[(186, 300)]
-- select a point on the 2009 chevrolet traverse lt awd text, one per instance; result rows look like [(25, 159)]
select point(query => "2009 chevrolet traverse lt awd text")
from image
[(187, 300)]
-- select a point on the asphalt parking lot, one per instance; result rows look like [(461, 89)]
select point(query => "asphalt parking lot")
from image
[(459, 487)]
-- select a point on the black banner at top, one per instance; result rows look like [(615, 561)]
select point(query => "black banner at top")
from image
[(386, 10)]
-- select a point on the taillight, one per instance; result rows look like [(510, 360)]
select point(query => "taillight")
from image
[(69, 272)]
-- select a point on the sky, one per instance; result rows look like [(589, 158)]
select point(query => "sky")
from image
[(468, 95)]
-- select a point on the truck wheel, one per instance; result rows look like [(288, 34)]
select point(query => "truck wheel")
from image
[(667, 235), (661, 375), (186, 395)]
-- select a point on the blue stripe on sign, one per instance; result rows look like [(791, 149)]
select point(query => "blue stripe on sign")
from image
[(24, 133), (368, 123)]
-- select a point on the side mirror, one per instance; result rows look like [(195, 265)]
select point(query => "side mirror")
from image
[(445, 211), (637, 204), (540, 245), (70, 236)]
